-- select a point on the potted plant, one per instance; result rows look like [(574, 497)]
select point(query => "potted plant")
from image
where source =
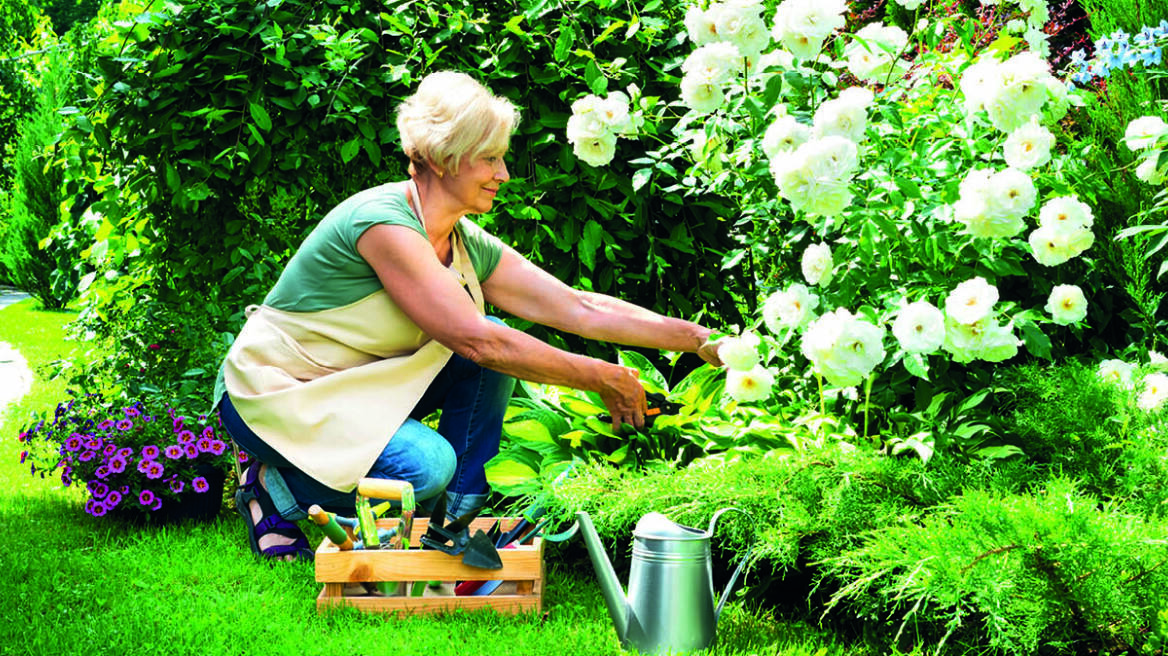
[(140, 461)]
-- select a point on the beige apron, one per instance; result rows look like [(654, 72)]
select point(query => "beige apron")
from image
[(328, 389)]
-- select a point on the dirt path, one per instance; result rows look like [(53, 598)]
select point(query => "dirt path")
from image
[(15, 377)]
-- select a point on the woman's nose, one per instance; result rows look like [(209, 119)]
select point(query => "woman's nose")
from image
[(501, 173)]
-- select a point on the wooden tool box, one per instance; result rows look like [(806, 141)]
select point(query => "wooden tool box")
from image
[(522, 564)]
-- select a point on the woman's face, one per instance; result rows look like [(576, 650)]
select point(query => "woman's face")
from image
[(477, 181)]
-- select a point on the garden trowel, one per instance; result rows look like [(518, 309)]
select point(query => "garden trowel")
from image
[(455, 538)]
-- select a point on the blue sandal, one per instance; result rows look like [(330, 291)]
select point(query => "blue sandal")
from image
[(270, 522)]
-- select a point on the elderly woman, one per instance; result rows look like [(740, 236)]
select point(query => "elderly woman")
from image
[(378, 320)]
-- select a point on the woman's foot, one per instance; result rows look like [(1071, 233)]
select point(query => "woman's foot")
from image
[(271, 536)]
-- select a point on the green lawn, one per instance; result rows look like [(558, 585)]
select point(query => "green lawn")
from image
[(78, 585)]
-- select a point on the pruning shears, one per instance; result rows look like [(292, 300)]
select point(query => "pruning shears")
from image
[(658, 405)]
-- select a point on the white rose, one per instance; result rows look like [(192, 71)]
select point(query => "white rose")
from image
[(700, 27), (971, 301), (843, 348), (716, 62), (1155, 392), (749, 386), (800, 46), (874, 55), (597, 151), (587, 120), (1067, 304), (1011, 195), (815, 178), (1066, 213), (813, 19), (784, 135), (741, 25), (1147, 171), (998, 343), (919, 328), (789, 309), (845, 116), (981, 340), (817, 264), (1117, 371), (1144, 131), (833, 156), (1052, 246), (978, 83), (701, 95), (1029, 146), (910, 5), (740, 353), (614, 113)]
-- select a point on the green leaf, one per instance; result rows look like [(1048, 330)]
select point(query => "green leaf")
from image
[(595, 79), (564, 42), (260, 116), (649, 373), (527, 430), (917, 365), (590, 241), (350, 149), (641, 178), (1035, 340), (505, 474)]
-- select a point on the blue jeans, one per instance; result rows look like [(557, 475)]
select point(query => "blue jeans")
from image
[(472, 399)]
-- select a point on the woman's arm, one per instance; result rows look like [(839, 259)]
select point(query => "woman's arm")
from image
[(526, 291), (429, 295)]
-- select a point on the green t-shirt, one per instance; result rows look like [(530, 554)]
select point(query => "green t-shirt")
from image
[(328, 271)]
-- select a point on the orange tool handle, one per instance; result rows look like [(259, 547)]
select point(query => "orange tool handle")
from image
[(383, 488)]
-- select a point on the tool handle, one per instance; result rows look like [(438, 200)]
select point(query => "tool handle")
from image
[(331, 528), (384, 488)]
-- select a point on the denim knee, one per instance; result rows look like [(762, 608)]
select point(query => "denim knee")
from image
[(420, 456)]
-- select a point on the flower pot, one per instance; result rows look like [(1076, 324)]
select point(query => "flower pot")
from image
[(189, 506)]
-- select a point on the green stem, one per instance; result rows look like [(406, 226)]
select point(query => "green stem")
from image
[(819, 379), (867, 399)]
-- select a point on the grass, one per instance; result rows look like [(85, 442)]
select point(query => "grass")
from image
[(76, 584)]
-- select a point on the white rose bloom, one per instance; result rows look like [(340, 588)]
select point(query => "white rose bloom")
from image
[(843, 348), (700, 26), (597, 151), (1067, 304), (716, 62), (1117, 371), (1052, 246), (1019, 92), (740, 353), (981, 340), (800, 46), (845, 116), (874, 54), (1011, 195), (910, 5), (1029, 146), (1143, 132), (1146, 170), (701, 95), (789, 309), (1156, 360), (743, 26), (614, 113), (1066, 213), (1155, 392), (815, 178), (749, 386), (784, 135), (919, 328), (814, 19), (976, 183), (998, 343), (971, 301), (979, 83), (587, 120), (817, 264), (832, 156)]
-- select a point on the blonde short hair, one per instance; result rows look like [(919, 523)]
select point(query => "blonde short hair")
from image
[(450, 116)]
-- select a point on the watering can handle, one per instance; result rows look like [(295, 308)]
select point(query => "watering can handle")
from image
[(737, 570)]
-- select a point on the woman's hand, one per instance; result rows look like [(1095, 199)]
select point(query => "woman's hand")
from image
[(624, 397), (708, 351)]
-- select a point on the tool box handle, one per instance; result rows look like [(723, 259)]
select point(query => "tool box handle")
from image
[(383, 488)]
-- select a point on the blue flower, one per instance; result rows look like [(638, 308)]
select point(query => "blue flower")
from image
[(1103, 45), (1151, 57), (1130, 56), (1146, 36), (1119, 36), (1079, 57)]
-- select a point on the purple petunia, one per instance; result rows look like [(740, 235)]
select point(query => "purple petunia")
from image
[(176, 486), (177, 423), (125, 424), (146, 497), (186, 437), (208, 433), (173, 451), (242, 457), (117, 464), (106, 425), (132, 412), (125, 452), (204, 445), (200, 484), (93, 443), (102, 471), (67, 477), (218, 447), (89, 506), (112, 499), (192, 451), (86, 456), (98, 510), (109, 449), (147, 418), (150, 452), (97, 489), (73, 443), (143, 465), (157, 503), (154, 470)]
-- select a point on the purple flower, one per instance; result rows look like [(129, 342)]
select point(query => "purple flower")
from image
[(89, 506), (143, 465), (117, 464), (102, 471), (208, 433), (176, 486), (125, 489), (23, 436), (157, 503), (186, 437), (109, 449), (125, 424), (67, 477), (177, 422), (98, 510), (86, 456), (173, 451), (242, 457), (132, 412), (218, 447), (98, 489), (93, 443), (200, 484), (154, 469), (112, 499), (106, 425), (154, 347), (150, 452), (204, 445), (73, 443), (147, 418), (192, 451), (125, 452), (146, 497), (23, 456)]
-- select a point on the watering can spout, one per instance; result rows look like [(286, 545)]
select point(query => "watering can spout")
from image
[(614, 594)]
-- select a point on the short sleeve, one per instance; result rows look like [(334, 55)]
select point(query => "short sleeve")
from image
[(484, 249)]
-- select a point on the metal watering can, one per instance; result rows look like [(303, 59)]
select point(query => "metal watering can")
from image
[(670, 606)]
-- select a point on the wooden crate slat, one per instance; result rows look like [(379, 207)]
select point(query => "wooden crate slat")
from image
[(501, 603)]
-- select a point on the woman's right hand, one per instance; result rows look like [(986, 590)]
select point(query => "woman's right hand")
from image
[(624, 397)]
